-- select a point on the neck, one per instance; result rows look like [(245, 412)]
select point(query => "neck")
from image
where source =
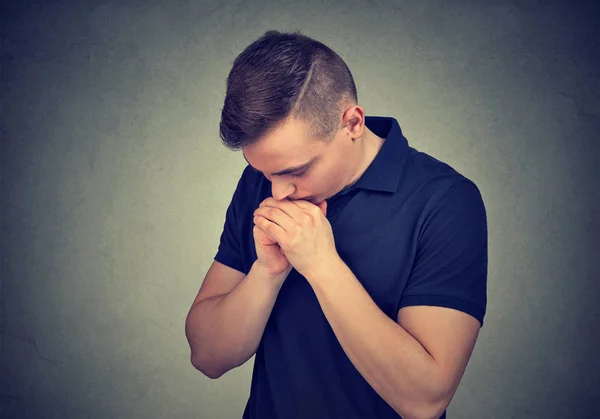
[(370, 144)]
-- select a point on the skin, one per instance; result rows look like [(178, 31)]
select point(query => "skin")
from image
[(414, 363), (341, 162)]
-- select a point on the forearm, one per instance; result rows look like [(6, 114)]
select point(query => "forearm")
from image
[(394, 363), (225, 331)]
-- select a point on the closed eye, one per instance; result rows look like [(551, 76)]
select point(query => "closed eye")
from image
[(291, 174), (298, 174)]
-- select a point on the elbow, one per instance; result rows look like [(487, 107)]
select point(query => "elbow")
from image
[(200, 361), (211, 375), (206, 369), (431, 410), (426, 412), (430, 413)]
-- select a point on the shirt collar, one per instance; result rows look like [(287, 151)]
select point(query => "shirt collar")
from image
[(384, 172)]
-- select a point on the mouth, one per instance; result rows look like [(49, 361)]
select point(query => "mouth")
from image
[(307, 198)]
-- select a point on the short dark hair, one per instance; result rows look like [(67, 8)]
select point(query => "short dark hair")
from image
[(282, 75)]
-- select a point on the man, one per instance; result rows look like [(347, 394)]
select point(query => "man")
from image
[(351, 264)]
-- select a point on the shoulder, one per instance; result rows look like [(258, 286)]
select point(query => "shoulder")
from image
[(252, 188), (431, 178)]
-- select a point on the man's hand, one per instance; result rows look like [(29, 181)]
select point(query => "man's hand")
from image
[(301, 230)]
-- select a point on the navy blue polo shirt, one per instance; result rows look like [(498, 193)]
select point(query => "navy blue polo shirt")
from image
[(412, 230)]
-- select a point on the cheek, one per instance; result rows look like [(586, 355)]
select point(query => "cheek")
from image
[(319, 182)]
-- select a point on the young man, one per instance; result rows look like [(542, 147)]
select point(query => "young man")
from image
[(351, 264)]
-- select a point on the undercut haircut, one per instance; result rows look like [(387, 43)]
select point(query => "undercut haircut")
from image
[(281, 76)]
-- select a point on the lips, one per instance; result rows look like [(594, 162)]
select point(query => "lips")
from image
[(310, 199)]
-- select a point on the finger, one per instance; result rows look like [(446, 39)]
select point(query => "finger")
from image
[(264, 232), (311, 208), (277, 216), (289, 207), (323, 207), (274, 231)]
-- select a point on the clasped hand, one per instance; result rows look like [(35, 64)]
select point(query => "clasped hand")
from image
[(301, 230)]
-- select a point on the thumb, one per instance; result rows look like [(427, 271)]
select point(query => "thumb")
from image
[(323, 207)]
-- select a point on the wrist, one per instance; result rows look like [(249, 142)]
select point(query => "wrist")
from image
[(325, 269), (267, 275)]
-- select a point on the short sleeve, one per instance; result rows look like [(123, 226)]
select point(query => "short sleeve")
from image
[(450, 267), (229, 252)]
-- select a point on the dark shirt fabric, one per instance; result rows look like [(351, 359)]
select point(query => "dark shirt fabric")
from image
[(412, 230)]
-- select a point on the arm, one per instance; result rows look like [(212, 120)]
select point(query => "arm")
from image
[(416, 362), (224, 331), (398, 367)]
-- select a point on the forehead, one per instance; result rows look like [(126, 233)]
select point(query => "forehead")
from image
[(288, 144)]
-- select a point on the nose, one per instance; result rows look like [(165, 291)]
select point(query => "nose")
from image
[(281, 190)]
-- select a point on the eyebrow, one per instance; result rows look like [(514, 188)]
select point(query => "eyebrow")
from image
[(289, 169)]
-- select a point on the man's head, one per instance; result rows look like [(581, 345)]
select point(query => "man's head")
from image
[(292, 100)]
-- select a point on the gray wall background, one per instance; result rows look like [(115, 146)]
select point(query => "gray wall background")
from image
[(115, 186)]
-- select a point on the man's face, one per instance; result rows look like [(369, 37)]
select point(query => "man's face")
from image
[(330, 164)]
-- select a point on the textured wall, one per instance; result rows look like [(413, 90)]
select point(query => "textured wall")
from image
[(115, 186)]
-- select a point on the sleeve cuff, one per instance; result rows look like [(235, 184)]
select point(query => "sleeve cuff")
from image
[(443, 301), (231, 261)]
